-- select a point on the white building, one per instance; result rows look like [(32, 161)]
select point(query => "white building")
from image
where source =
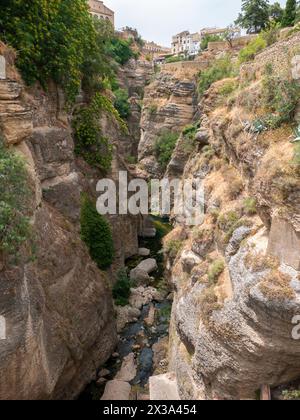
[(186, 43)]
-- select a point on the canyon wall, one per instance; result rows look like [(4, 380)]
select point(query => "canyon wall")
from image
[(57, 304)]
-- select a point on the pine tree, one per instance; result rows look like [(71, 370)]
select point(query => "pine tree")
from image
[(254, 16), (289, 17)]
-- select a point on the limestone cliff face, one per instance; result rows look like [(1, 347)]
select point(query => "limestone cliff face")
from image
[(236, 277), (134, 77), (58, 305), (170, 104)]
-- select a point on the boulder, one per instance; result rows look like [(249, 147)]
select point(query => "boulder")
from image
[(116, 391), (140, 277), (144, 252), (148, 265), (164, 388)]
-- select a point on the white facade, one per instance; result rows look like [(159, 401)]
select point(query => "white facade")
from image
[(186, 43)]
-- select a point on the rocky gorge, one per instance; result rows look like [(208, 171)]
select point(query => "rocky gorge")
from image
[(209, 314)]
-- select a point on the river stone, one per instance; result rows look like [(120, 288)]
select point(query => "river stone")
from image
[(125, 315), (128, 369), (164, 388), (2, 68), (148, 265), (151, 316), (140, 277), (144, 252), (116, 391)]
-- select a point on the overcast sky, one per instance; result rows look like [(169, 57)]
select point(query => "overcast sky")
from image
[(158, 20)]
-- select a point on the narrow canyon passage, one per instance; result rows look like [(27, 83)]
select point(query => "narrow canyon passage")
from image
[(143, 343)]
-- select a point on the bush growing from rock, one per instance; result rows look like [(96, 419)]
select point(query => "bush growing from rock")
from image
[(172, 248), (249, 206), (164, 148), (215, 270), (255, 46), (96, 233), (15, 197), (222, 68), (121, 290)]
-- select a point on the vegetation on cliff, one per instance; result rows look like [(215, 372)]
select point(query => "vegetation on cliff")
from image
[(164, 147), (15, 196), (96, 233)]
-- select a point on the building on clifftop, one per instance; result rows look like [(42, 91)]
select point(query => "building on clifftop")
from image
[(100, 11)]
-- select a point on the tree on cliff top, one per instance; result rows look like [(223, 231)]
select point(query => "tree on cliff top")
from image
[(289, 17), (254, 16)]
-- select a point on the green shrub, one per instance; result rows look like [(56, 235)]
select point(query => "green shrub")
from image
[(96, 233), (208, 152), (220, 69), (153, 109), (121, 103), (53, 39), (215, 270), (89, 141), (254, 47), (228, 88), (14, 202), (132, 160), (121, 50), (15, 196), (249, 206), (164, 147), (209, 38), (121, 290), (281, 97), (291, 395), (297, 154)]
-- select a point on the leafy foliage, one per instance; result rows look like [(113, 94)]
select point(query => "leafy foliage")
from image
[(164, 147), (89, 141), (220, 69), (209, 38), (172, 248), (215, 270), (52, 39), (254, 47), (96, 233), (280, 97), (14, 202), (276, 12), (255, 16), (59, 40)]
